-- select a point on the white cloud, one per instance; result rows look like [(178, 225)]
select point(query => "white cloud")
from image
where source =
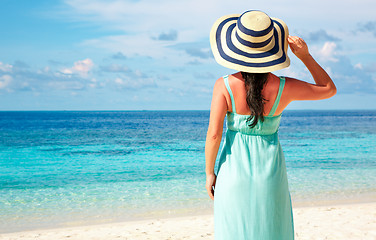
[(4, 81), (80, 67), (358, 66), (328, 52), (94, 83), (47, 78), (119, 81), (5, 67), (81, 76)]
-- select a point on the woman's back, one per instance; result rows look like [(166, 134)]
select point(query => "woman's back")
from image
[(269, 92), (239, 122)]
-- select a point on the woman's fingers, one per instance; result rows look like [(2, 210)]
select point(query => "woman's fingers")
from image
[(210, 184), (291, 44), (298, 46), (210, 191), (294, 40)]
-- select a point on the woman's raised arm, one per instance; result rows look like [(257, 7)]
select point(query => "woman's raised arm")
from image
[(300, 90)]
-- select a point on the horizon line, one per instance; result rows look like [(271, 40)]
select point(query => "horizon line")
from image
[(150, 110)]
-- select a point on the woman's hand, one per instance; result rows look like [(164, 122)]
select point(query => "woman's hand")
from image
[(210, 183), (299, 90), (298, 47)]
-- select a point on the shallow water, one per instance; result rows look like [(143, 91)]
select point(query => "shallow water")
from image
[(62, 168)]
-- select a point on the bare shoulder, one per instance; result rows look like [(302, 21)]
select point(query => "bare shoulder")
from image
[(219, 86), (219, 82), (220, 93)]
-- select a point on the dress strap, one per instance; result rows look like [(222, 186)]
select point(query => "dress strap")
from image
[(276, 102), (225, 78)]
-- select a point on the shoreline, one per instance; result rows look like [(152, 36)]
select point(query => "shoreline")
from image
[(170, 214), (334, 221), (22, 221)]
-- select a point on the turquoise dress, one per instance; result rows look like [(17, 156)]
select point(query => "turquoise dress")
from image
[(251, 195)]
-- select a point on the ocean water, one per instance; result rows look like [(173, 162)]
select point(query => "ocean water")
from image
[(67, 168)]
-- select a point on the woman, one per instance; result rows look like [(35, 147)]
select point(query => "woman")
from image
[(250, 188)]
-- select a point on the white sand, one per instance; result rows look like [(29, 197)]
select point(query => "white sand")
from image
[(351, 221)]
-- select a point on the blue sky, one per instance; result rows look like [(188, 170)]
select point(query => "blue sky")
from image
[(155, 55)]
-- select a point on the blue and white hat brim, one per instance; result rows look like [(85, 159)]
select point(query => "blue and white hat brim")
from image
[(232, 52)]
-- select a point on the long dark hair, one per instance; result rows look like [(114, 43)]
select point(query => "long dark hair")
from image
[(254, 83)]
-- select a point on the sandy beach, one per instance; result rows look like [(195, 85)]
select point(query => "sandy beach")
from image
[(346, 221)]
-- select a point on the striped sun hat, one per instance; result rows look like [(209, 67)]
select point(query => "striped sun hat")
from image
[(251, 42)]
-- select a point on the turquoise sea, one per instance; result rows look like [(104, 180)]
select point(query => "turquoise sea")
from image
[(67, 168)]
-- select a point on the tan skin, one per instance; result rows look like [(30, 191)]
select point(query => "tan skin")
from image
[(294, 90)]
